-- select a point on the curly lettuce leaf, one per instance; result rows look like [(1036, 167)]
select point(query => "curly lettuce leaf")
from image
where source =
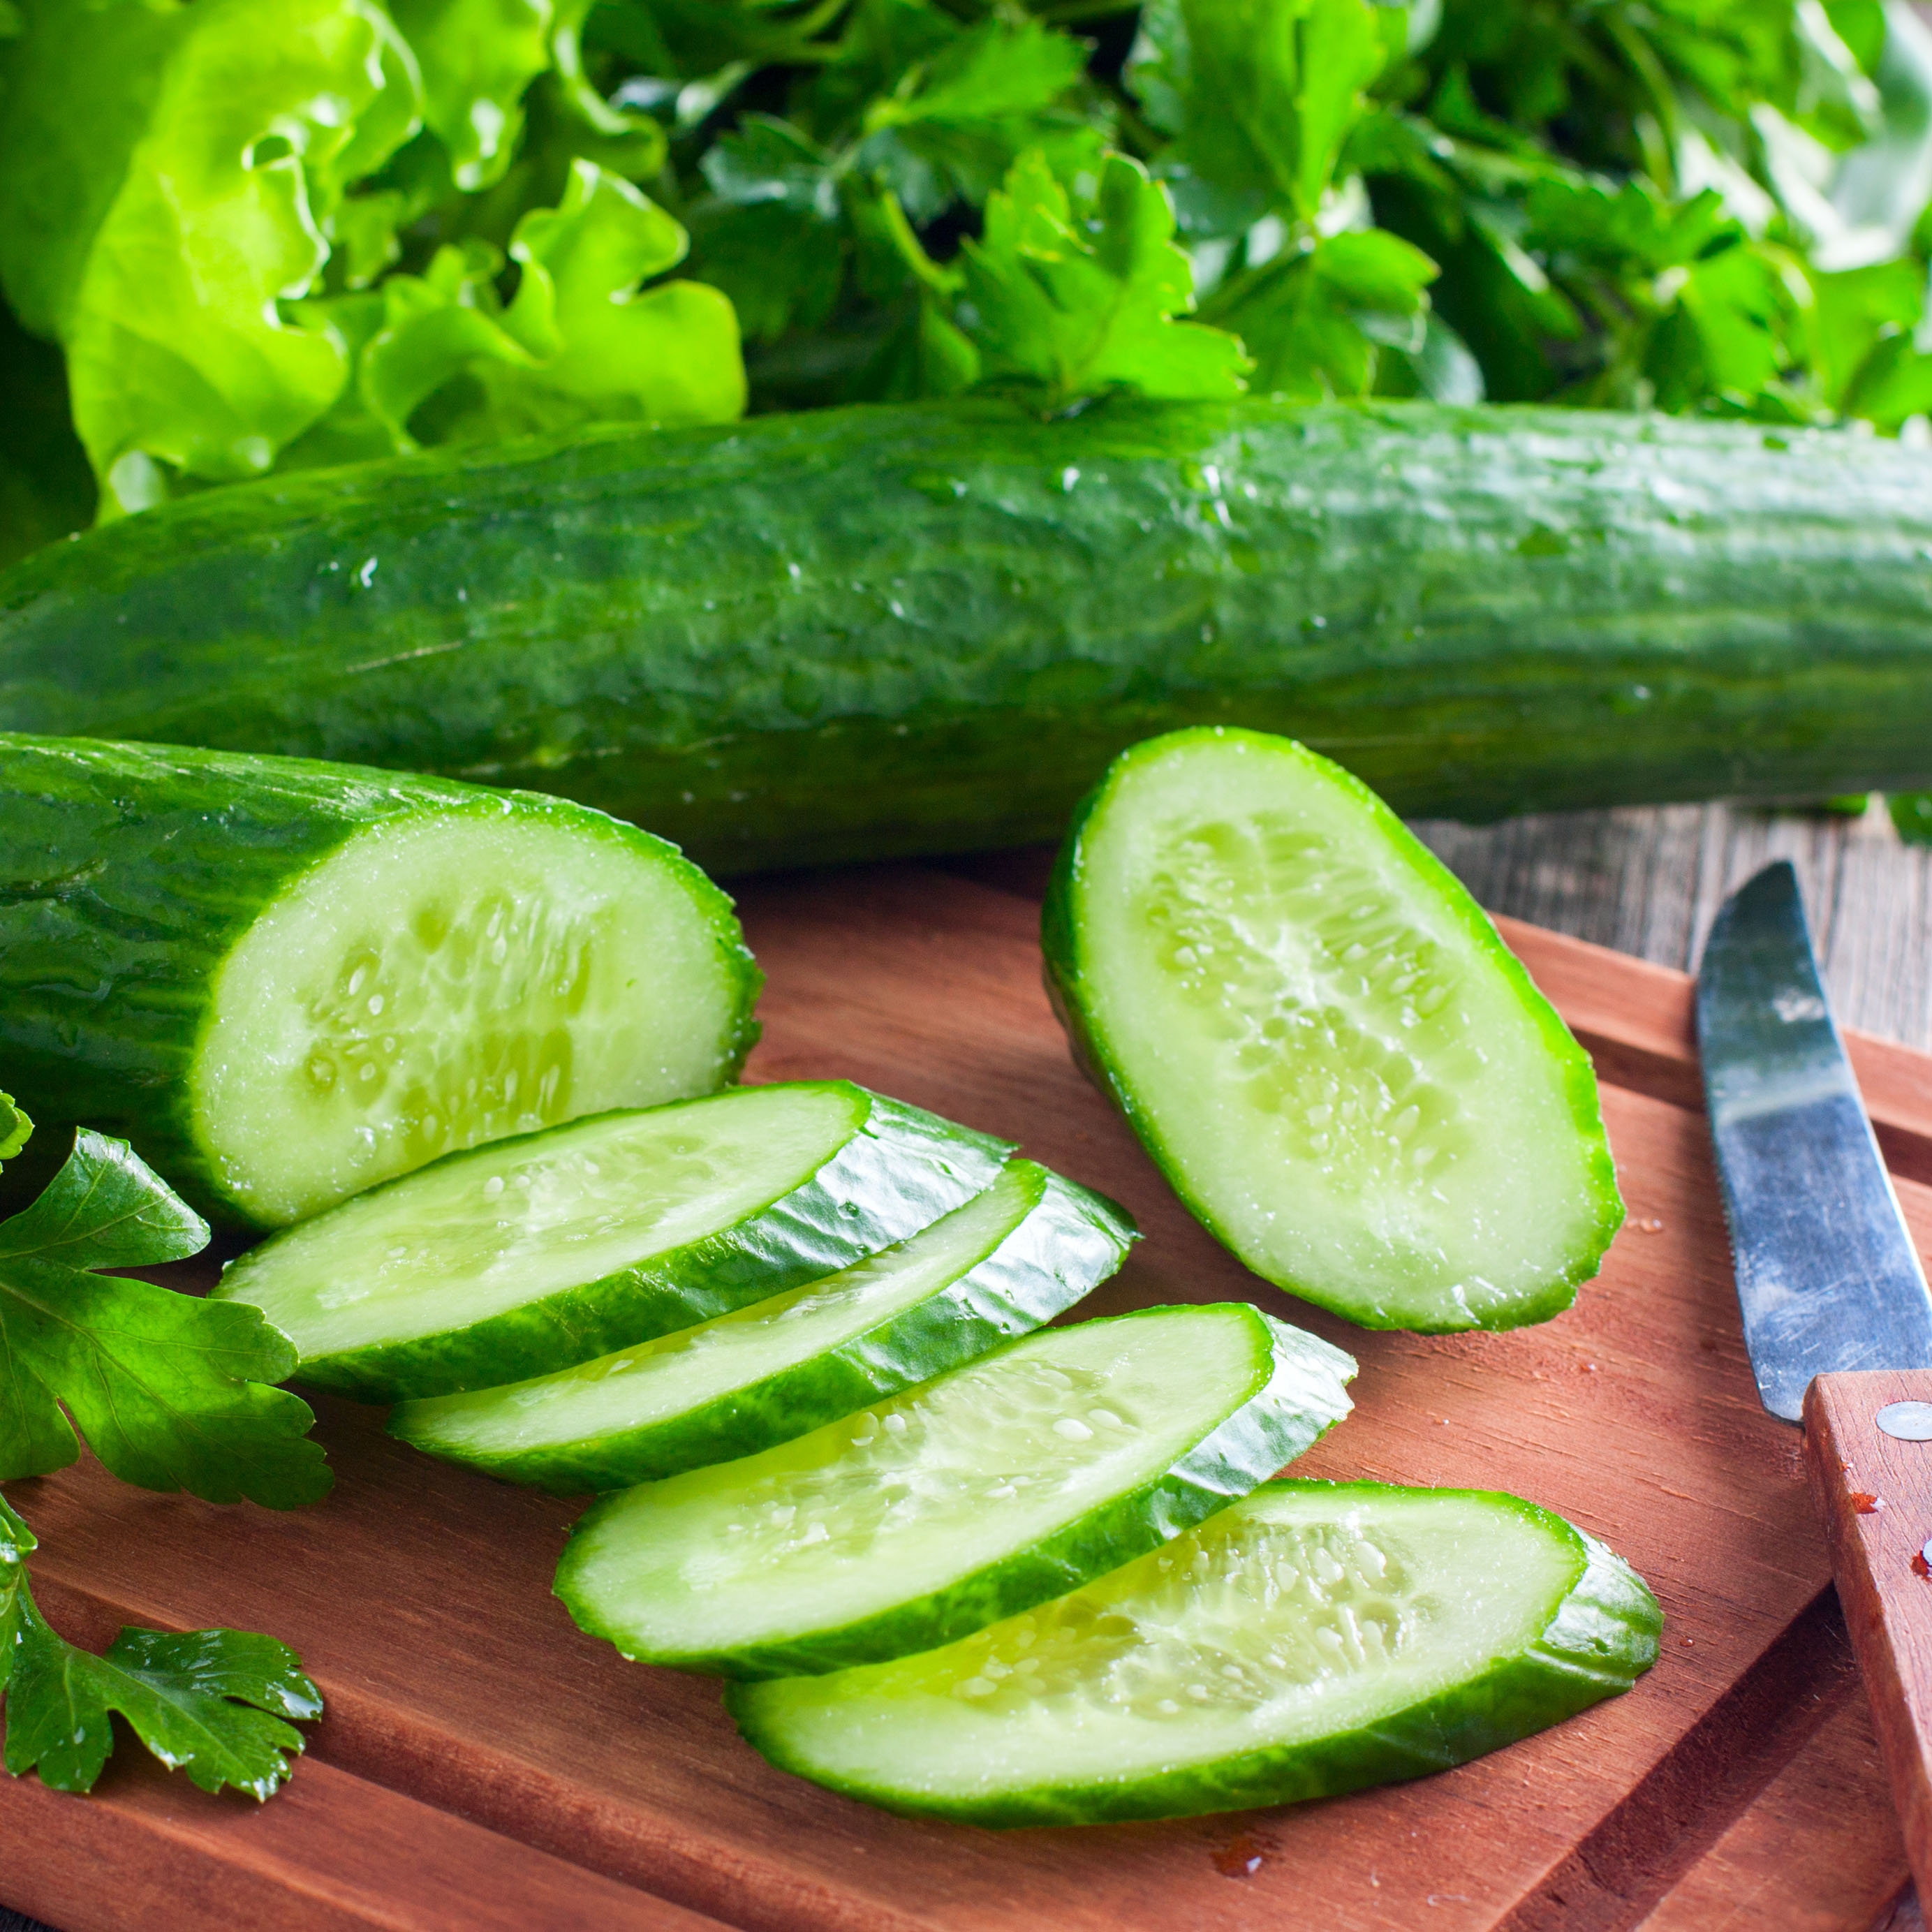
[(215, 1703), (16, 1129), (607, 347), (441, 359), (476, 57), (171, 1391), (248, 118), (77, 86)]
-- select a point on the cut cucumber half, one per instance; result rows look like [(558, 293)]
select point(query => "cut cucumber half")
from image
[(941, 1510), (1313, 1639), (1323, 1042), (286, 982), (1030, 1246), (535, 1254)]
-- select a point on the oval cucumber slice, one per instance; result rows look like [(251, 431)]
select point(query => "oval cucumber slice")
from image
[(534, 1254), (286, 982), (1313, 1638), (930, 1515), (1010, 1260), (1323, 1041)]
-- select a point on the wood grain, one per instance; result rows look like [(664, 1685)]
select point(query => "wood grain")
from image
[(419, 1595), (1817, 1851), (1874, 1494), (1649, 882)]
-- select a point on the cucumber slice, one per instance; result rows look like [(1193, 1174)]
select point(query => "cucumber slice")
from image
[(534, 1254), (1323, 1042), (286, 982), (1030, 1246), (941, 1510), (1311, 1640)]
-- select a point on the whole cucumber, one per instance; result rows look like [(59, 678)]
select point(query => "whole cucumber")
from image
[(926, 627)]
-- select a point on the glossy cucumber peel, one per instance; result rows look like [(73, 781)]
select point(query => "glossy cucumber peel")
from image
[(1012, 1258), (1323, 1041), (537, 1253), (926, 627), (1310, 1640), (925, 1517), (285, 981)]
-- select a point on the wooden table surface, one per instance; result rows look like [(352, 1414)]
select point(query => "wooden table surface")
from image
[(1649, 883)]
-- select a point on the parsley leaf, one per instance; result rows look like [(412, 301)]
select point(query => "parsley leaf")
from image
[(169, 1390), (1260, 97), (1314, 321), (210, 1703), (770, 234), (1077, 293), (956, 123)]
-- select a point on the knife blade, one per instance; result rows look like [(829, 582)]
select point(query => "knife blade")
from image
[(1828, 1276), (1837, 1318)]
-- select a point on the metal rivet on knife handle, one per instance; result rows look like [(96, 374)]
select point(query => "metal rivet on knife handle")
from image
[(1907, 1421)]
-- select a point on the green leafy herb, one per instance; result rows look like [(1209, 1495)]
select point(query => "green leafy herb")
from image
[(15, 1127), (1259, 95), (170, 1391), (213, 1703), (275, 233), (1912, 813), (1077, 292), (165, 293)]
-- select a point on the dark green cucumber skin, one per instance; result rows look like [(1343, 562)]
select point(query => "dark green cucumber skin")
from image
[(1070, 1241), (1063, 965), (1602, 1638), (927, 627), (1255, 1438), (128, 873), (901, 1170)]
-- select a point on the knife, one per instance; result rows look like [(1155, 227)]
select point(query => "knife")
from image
[(1837, 1316)]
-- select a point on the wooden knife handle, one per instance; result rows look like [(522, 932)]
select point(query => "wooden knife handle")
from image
[(1874, 1491)]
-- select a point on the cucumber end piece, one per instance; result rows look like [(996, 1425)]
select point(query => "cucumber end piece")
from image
[(445, 978)]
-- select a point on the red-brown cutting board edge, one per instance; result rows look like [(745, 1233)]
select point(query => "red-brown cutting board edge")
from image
[(467, 1714)]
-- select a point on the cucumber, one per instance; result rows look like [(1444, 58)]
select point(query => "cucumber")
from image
[(536, 1253), (1322, 1040), (927, 627), (1013, 1258), (1313, 1639), (931, 1515), (283, 982)]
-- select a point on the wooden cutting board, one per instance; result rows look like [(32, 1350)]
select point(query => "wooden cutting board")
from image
[(483, 1764)]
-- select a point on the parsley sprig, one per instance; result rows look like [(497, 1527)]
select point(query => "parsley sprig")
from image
[(215, 1703), (170, 1391)]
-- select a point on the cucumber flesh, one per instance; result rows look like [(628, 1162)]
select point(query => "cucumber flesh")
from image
[(937, 1512), (284, 982), (1012, 1259), (534, 1254), (1313, 1639), (1324, 1042), (448, 981)]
